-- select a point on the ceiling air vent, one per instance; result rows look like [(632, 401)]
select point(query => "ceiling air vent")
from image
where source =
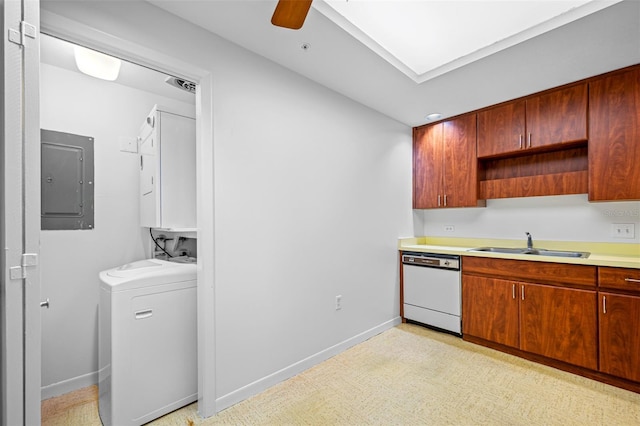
[(181, 83)]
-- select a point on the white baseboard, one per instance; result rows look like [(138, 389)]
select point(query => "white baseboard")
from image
[(69, 385), (266, 382)]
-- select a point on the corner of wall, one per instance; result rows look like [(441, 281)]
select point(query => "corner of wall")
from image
[(419, 223)]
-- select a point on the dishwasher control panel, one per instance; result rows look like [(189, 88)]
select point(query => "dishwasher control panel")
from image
[(432, 260)]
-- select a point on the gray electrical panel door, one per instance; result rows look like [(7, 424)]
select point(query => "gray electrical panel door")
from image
[(66, 181)]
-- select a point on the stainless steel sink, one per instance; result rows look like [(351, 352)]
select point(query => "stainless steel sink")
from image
[(534, 251), (560, 253), (502, 250)]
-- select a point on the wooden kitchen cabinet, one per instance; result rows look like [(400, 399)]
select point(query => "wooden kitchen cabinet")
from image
[(501, 129), (559, 323), (619, 322), (551, 119), (620, 335), (579, 318), (542, 308), (614, 137), (427, 166), (444, 164), (581, 138), (490, 309)]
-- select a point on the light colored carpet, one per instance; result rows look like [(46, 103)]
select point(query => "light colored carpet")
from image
[(411, 375)]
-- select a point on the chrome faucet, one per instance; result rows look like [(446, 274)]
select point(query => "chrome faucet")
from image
[(529, 241)]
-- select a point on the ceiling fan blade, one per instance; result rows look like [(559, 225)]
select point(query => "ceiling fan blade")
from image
[(291, 13)]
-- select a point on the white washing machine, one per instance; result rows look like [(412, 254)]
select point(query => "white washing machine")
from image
[(147, 341)]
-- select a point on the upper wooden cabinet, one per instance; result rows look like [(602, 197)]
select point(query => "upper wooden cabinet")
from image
[(614, 137), (577, 139), (550, 119), (444, 164), (427, 166), (501, 129)]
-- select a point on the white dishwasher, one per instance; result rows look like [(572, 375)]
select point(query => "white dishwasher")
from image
[(432, 290)]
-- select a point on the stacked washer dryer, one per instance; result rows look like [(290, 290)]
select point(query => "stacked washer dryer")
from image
[(147, 341)]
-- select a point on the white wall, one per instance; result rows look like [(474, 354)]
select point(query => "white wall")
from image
[(312, 191), (70, 260), (553, 218)]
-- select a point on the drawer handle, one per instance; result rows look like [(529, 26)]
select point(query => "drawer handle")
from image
[(632, 280), (147, 313)]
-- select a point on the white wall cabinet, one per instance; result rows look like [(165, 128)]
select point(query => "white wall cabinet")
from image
[(167, 147)]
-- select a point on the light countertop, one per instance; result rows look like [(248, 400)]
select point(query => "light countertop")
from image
[(602, 254)]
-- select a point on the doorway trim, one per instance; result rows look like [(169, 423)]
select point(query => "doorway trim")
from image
[(79, 33)]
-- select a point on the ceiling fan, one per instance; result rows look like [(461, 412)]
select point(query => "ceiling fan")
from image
[(291, 13)]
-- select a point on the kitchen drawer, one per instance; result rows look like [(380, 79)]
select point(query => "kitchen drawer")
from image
[(619, 278), (531, 271)]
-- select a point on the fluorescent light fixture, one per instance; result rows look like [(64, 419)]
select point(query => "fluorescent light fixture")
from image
[(96, 64), (433, 116)]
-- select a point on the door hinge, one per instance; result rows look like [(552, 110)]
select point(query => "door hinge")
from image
[(20, 272), (26, 30)]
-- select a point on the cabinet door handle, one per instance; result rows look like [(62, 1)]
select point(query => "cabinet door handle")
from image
[(529, 143), (445, 200), (513, 291), (520, 140), (141, 163), (522, 289), (632, 280), (604, 304), (438, 201)]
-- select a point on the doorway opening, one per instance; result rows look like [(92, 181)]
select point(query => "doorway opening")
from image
[(112, 113)]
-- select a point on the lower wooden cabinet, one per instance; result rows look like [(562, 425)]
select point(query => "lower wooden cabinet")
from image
[(620, 335), (490, 309), (559, 323), (554, 322), (584, 319), (543, 318), (619, 322)]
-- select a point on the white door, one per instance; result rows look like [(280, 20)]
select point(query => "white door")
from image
[(20, 214)]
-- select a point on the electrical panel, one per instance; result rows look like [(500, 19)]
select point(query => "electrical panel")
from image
[(66, 181)]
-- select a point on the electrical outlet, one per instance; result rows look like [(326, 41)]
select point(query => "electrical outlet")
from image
[(449, 228), (338, 302), (623, 230)]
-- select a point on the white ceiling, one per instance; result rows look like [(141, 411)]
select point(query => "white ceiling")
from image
[(427, 38), (601, 41), (581, 38)]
